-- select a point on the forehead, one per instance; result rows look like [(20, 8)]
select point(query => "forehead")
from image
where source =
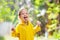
[(22, 11)]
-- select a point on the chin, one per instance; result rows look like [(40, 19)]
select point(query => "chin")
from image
[(25, 20)]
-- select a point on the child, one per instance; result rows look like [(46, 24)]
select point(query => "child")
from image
[(25, 30)]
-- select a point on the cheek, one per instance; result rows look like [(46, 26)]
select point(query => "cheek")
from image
[(27, 14), (22, 16)]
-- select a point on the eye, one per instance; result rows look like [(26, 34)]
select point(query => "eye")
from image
[(22, 13)]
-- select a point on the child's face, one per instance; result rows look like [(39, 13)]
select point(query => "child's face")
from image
[(24, 15)]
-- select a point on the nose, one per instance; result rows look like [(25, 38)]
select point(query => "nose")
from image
[(25, 14)]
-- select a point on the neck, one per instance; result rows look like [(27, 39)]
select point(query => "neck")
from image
[(26, 22)]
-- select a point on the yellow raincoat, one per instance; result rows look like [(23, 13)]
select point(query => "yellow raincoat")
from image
[(25, 32)]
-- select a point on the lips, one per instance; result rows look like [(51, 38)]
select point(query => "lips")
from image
[(25, 17)]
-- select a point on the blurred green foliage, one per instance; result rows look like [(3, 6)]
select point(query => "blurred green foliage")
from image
[(1, 38), (8, 10)]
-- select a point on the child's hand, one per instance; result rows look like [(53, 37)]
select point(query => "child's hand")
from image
[(38, 23)]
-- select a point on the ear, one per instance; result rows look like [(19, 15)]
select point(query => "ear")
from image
[(18, 16)]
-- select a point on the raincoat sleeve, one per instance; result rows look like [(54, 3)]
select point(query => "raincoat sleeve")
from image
[(37, 28), (16, 32)]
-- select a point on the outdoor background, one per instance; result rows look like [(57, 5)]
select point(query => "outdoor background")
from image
[(46, 11)]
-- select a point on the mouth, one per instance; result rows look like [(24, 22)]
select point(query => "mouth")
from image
[(25, 17)]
